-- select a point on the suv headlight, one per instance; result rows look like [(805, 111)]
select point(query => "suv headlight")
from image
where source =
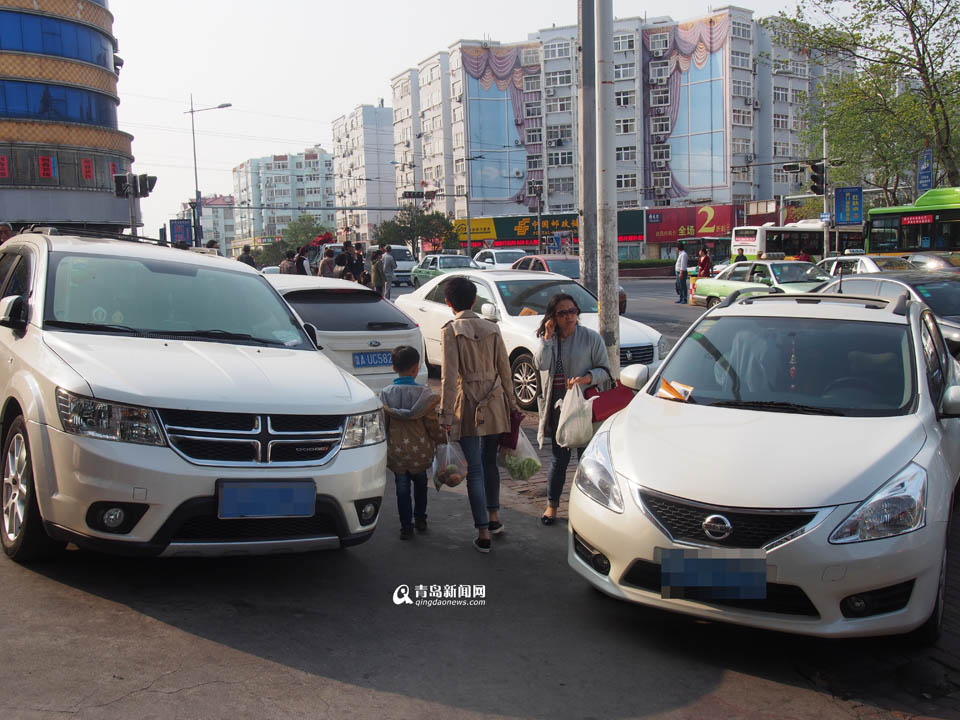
[(108, 421), (596, 477), (364, 429), (896, 508), (661, 348)]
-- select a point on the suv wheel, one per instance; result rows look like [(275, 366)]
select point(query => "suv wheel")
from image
[(526, 381), (22, 534)]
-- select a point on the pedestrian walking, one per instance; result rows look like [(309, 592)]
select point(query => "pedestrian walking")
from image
[(287, 266), (356, 262), (247, 257), (327, 265), (475, 401), (739, 257), (413, 431), (569, 355), (680, 268), (704, 264), (389, 269), (301, 262), (340, 265), (377, 275)]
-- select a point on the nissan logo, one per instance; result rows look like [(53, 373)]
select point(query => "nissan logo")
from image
[(717, 527), (374, 343)]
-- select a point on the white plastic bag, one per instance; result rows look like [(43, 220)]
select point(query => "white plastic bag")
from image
[(575, 426), (523, 462), (450, 464)]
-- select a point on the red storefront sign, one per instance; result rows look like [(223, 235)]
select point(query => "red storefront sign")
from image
[(4, 167), (916, 219), (47, 166), (674, 224), (86, 168), (113, 169)]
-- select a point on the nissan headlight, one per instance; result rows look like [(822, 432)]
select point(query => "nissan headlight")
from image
[(596, 477), (108, 421), (661, 348), (364, 429), (896, 508)]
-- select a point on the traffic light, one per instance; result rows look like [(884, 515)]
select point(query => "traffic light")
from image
[(818, 177), (145, 184), (120, 186), (791, 167), (429, 194), (412, 194)]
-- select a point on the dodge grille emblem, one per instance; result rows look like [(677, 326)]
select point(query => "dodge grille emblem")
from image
[(717, 527)]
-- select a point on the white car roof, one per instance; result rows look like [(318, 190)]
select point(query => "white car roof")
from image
[(859, 308), (496, 275), (285, 283)]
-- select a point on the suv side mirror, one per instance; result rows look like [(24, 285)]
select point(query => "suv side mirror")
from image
[(950, 405), (635, 376), (311, 332), (13, 312), (490, 312)]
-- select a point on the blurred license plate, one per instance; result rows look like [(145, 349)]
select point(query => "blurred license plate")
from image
[(253, 499), (372, 359), (712, 574)]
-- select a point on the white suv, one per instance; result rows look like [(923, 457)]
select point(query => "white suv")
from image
[(163, 402)]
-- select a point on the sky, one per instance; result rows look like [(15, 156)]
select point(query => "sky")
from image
[(289, 68)]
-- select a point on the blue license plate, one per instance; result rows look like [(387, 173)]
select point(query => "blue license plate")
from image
[(725, 574), (372, 359), (257, 499)]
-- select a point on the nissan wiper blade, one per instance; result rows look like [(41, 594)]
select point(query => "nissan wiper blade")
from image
[(387, 325), (224, 335), (108, 327), (776, 406)]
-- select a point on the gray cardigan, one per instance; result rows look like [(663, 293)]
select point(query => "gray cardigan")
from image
[(583, 352)]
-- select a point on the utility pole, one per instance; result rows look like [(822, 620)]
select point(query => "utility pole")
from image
[(606, 188), (540, 234), (826, 195), (587, 148)]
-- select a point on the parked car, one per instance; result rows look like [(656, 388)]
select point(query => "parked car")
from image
[(498, 259), (943, 261), (789, 276), (794, 528), (356, 328), (939, 290), (161, 402), (270, 270), (517, 300), (568, 265), (406, 262), (434, 265), (856, 264)]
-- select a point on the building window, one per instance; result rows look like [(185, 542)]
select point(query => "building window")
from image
[(563, 133), (662, 179), (624, 71), (798, 97), (798, 123), (458, 138), (559, 104), (534, 187), (660, 41), (623, 126), (627, 154), (530, 56), (557, 79), (558, 159), (659, 70), (627, 181), (560, 185), (660, 152), (459, 165), (627, 203), (743, 88), (781, 122), (743, 117), (563, 208), (741, 30), (660, 97), (741, 60), (742, 173), (742, 145), (780, 94), (622, 43), (534, 135), (781, 149), (625, 98), (779, 176), (781, 66), (531, 109), (660, 125), (534, 162), (556, 50), (799, 67), (531, 83)]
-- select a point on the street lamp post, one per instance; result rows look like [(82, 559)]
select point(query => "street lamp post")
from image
[(198, 208)]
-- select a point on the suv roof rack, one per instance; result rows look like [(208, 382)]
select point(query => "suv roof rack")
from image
[(897, 305), (89, 233)]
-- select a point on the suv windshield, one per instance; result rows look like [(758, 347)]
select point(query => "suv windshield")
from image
[(401, 254), (798, 272), (801, 365), (347, 310), (99, 293), (530, 297)]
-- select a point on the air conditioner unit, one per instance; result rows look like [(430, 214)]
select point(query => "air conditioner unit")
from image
[(756, 104), (660, 163), (406, 143), (748, 101), (518, 173), (659, 111), (458, 98), (549, 92), (657, 53), (517, 142), (660, 191), (661, 81), (750, 157), (484, 44)]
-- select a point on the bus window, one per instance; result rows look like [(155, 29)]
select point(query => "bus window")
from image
[(912, 235), (883, 234)]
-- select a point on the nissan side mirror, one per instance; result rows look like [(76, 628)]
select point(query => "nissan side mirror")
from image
[(490, 312), (950, 406), (635, 376), (13, 312)]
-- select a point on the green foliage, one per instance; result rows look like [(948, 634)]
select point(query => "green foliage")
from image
[(809, 209), (302, 231), (273, 254)]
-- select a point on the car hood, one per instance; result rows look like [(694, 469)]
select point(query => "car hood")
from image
[(214, 376), (631, 331), (746, 458)]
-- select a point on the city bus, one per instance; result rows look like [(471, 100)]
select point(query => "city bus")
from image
[(779, 242), (931, 224)]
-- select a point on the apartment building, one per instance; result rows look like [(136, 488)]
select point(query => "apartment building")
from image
[(217, 220), (272, 191), (363, 169), (407, 133)]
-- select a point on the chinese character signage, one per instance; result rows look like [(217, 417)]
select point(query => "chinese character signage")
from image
[(4, 167), (181, 232), (916, 219), (673, 224), (113, 169), (480, 229), (848, 205), (47, 166), (86, 168)]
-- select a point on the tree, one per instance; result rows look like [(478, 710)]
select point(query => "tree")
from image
[(302, 231), (410, 225), (272, 254), (906, 46)]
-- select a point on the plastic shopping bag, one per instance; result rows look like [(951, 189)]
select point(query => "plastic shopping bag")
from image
[(521, 462), (575, 426), (450, 463)]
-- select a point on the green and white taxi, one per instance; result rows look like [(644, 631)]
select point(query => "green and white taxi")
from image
[(788, 276), (435, 265)]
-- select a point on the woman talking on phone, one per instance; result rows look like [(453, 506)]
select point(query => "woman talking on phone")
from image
[(569, 355)]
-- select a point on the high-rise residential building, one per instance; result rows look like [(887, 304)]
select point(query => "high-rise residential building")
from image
[(407, 133), (363, 169), (436, 141), (59, 140), (217, 220), (272, 191)]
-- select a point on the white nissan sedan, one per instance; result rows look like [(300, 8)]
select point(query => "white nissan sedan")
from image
[(517, 300), (821, 502)]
